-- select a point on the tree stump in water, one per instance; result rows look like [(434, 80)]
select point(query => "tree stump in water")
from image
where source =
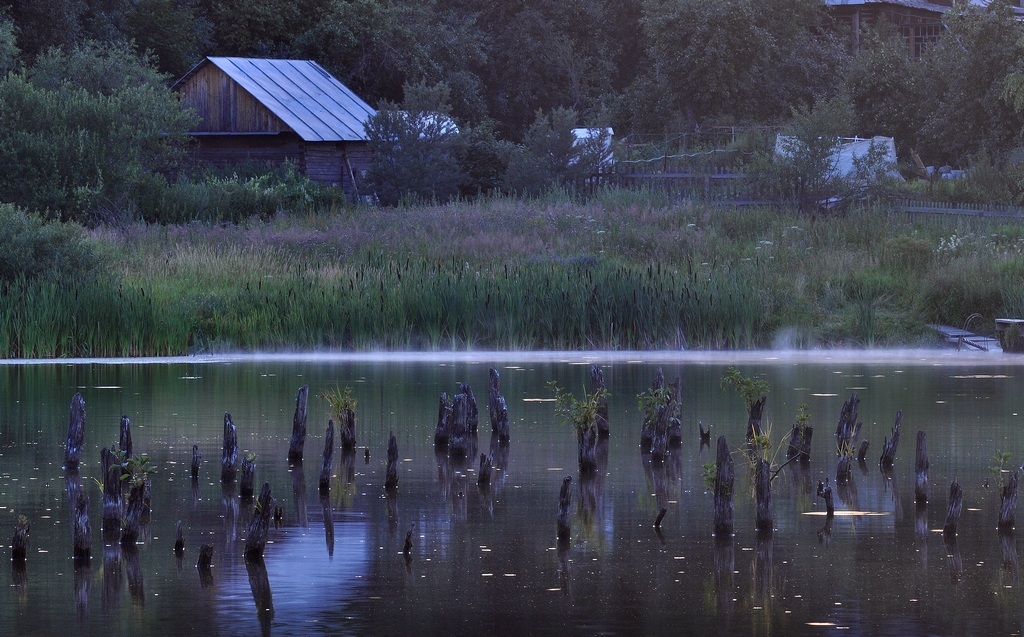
[(328, 459), (442, 432), (348, 430), (724, 477), (844, 468), (862, 452), (586, 442), (20, 541), (472, 411), (650, 415), (459, 431), (82, 531), (956, 502), (484, 474), (124, 442), (297, 444), (113, 504), (133, 512), (229, 454), (705, 434), (848, 428), (493, 393), (205, 557), (659, 437), (825, 492), (245, 485), (1008, 503), (391, 473), (501, 411), (800, 443), (754, 417), (892, 442), (921, 469), (76, 433), (596, 384), (197, 458), (565, 508), (763, 494), (259, 525)]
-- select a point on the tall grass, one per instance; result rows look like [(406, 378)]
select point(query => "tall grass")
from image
[(510, 274)]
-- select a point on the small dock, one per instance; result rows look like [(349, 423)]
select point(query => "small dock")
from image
[(962, 339)]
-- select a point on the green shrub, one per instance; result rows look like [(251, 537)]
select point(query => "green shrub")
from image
[(32, 248), (906, 254)]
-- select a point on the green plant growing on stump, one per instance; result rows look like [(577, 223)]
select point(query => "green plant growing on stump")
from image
[(1000, 462), (582, 416), (339, 401), (750, 389)]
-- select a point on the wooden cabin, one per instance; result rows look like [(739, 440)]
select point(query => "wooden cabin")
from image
[(273, 111), (919, 21)]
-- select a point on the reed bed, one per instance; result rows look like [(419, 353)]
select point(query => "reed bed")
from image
[(617, 273)]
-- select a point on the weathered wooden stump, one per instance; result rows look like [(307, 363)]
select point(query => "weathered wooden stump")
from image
[(262, 596), (229, 453), (597, 384), (20, 541), (650, 413), (348, 429), (754, 417), (705, 434), (765, 519), (848, 428), (391, 471), (297, 444), (76, 433), (328, 459), (442, 432), (844, 468), (197, 459), (459, 431), (1008, 503), (586, 443), (328, 514), (493, 393), (124, 442), (113, 503), (892, 442), (298, 472), (825, 492), (82, 531), (259, 525), (501, 415), (203, 565), (245, 484), (862, 453), (921, 469), (133, 513), (956, 502), (179, 539), (565, 508), (472, 410), (800, 443), (484, 474), (659, 438), (724, 477)]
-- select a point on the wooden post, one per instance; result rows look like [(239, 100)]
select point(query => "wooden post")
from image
[(484, 474), (1008, 503), (472, 411), (133, 513), (564, 509), (921, 469), (892, 442), (956, 502), (125, 440), (442, 432), (20, 541), (328, 459), (82, 531), (113, 504), (391, 473), (724, 477), (298, 441), (596, 384), (259, 525), (197, 458), (76, 433), (245, 485), (229, 455), (763, 494)]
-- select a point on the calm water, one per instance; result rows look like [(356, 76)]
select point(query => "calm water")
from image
[(485, 562)]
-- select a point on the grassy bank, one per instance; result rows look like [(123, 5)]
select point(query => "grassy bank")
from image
[(622, 271)]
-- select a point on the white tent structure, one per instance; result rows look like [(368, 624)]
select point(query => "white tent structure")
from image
[(846, 152)]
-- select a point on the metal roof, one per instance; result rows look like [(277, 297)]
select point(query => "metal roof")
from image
[(311, 101)]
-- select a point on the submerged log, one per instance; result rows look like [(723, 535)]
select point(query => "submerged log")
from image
[(76, 433), (229, 455), (1008, 503), (763, 494), (892, 442), (391, 473), (825, 492), (245, 485), (197, 458), (124, 442), (20, 541), (956, 502), (921, 469), (442, 432), (348, 430), (848, 428), (472, 410), (297, 444), (597, 384), (564, 508), (259, 525), (133, 512), (328, 459), (484, 474), (82, 551), (724, 476), (113, 503)]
